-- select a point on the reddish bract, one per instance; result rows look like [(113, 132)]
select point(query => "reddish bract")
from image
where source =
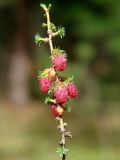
[(61, 94), (45, 84), (59, 62), (72, 90)]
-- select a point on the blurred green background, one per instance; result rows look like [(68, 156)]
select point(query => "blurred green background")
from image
[(27, 128)]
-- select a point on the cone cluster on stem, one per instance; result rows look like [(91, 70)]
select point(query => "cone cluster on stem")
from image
[(58, 88)]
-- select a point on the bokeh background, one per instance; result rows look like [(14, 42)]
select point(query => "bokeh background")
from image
[(27, 128)]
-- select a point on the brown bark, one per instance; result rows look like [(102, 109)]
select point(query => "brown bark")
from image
[(20, 60)]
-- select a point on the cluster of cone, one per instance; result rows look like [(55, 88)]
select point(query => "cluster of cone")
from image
[(60, 89)]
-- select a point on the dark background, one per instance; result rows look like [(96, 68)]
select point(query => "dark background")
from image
[(92, 42)]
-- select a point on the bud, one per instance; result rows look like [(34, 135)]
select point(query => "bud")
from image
[(60, 110), (52, 73)]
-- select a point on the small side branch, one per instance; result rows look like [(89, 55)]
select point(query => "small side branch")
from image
[(52, 30), (64, 135), (49, 27), (62, 129), (63, 140)]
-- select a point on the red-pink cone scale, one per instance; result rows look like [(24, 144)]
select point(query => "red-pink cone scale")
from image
[(61, 94), (59, 63), (72, 90), (45, 84)]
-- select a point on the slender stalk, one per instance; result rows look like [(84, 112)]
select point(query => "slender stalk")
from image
[(49, 28), (62, 129), (62, 125), (64, 157)]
